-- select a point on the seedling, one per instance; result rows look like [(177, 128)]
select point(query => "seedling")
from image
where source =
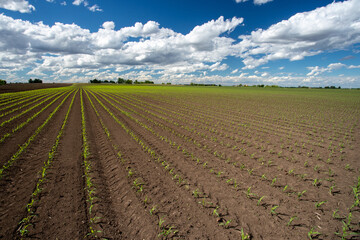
[(317, 205), (244, 236), (273, 210), (196, 193), (300, 194), (273, 181), (259, 201), (215, 212), (152, 210), (291, 220), (312, 233), (225, 224)]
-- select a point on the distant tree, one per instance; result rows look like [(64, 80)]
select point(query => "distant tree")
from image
[(121, 80), (128, 81), (137, 82), (112, 81), (149, 82), (169, 83), (106, 81), (2, 82), (95, 81), (36, 80)]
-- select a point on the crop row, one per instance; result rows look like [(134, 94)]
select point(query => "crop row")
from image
[(35, 196), (24, 146)]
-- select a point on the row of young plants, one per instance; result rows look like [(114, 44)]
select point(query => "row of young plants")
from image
[(23, 147), (14, 100), (27, 121), (257, 132), (229, 181), (260, 125), (138, 184), (20, 104), (36, 195), (3, 123), (329, 190), (14, 109), (177, 176), (254, 155), (90, 188), (251, 194), (198, 144)]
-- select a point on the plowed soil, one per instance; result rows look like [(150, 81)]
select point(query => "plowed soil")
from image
[(187, 166), (19, 87)]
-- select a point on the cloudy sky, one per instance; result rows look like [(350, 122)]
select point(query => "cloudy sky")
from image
[(289, 43)]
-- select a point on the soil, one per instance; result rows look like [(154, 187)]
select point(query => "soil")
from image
[(164, 168), (19, 87)]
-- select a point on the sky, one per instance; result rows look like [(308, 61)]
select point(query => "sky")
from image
[(229, 42)]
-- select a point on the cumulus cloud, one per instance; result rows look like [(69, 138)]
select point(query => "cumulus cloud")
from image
[(68, 46), (333, 27), (93, 8), (260, 2), (17, 5), (77, 2), (315, 71), (256, 2)]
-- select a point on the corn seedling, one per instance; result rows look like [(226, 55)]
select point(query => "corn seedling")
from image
[(312, 233), (291, 220), (273, 210), (259, 201)]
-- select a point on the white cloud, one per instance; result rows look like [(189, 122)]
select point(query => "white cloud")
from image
[(77, 2), (256, 2), (62, 47), (22, 6), (63, 3), (353, 66), (260, 2), (333, 27), (95, 8), (315, 71)]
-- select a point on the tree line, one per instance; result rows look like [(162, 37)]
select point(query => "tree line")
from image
[(122, 81)]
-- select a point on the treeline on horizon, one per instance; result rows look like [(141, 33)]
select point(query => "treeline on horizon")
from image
[(121, 81), (130, 82)]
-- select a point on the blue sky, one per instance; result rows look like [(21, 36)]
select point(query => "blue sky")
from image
[(288, 43)]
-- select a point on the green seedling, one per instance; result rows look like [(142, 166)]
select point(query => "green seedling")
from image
[(244, 236), (312, 233), (225, 224), (196, 193), (273, 210), (317, 205), (291, 220), (300, 194), (259, 201), (215, 212), (273, 181), (152, 210)]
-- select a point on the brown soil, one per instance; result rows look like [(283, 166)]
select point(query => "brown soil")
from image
[(168, 170), (19, 87)]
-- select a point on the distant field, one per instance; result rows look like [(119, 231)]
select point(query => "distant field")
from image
[(18, 87), (158, 162)]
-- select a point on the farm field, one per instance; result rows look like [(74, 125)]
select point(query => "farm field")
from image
[(179, 162)]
